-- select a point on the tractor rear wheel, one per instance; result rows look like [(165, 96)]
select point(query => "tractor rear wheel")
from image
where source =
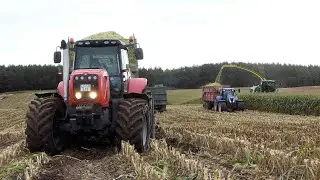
[(42, 133), (133, 123)]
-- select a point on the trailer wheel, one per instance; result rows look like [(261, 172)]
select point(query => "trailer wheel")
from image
[(207, 105), (133, 124), (204, 105), (42, 132)]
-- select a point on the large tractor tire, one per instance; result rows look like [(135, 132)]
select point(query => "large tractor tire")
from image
[(42, 133), (222, 106), (133, 123), (241, 106)]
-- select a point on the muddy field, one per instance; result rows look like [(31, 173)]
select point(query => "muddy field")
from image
[(196, 144)]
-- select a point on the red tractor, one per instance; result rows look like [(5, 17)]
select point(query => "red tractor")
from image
[(95, 99)]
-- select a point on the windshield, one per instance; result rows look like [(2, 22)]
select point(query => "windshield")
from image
[(269, 83), (98, 58), (228, 91)]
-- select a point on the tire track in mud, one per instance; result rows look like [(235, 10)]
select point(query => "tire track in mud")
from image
[(98, 162), (93, 160), (89, 160)]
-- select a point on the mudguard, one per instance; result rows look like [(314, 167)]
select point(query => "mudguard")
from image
[(60, 88), (48, 94), (136, 85), (136, 95), (219, 99)]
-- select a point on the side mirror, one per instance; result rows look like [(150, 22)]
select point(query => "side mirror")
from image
[(63, 44), (138, 52), (57, 57)]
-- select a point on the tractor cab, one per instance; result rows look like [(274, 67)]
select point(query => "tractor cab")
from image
[(227, 92), (268, 82), (108, 55)]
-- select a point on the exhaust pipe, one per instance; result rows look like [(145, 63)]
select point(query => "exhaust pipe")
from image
[(66, 74)]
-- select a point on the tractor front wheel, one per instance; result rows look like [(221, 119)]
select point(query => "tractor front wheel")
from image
[(222, 106), (133, 123), (241, 106), (42, 133)]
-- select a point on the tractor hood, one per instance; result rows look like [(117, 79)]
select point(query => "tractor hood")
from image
[(89, 71), (89, 86), (231, 98)]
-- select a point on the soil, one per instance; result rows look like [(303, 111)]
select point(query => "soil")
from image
[(84, 163)]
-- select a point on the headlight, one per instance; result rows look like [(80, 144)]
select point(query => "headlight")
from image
[(93, 95), (76, 78), (89, 77), (78, 95)]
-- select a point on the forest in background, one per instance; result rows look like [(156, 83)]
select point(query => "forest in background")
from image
[(44, 77)]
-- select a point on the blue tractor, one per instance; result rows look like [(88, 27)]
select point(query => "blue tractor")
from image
[(228, 101)]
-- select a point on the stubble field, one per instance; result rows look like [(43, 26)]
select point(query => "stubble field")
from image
[(195, 144)]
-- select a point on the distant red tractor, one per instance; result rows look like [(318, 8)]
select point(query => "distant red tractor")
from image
[(95, 99)]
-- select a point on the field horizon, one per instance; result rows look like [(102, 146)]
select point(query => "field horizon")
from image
[(241, 145)]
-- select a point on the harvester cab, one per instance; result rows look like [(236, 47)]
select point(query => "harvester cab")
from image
[(227, 100), (265, 86), (93, 100), (268, 85)]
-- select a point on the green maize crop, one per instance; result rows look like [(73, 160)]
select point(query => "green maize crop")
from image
[(287, 104)]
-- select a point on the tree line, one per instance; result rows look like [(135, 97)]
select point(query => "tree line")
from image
[(36, 77)]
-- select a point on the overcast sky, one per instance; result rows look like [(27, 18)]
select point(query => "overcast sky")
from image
[(172, 33)]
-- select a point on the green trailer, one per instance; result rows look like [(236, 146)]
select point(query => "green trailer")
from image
[(159, 94)]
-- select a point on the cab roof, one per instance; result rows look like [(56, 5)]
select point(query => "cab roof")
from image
[(227, 88), (99, 42)]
